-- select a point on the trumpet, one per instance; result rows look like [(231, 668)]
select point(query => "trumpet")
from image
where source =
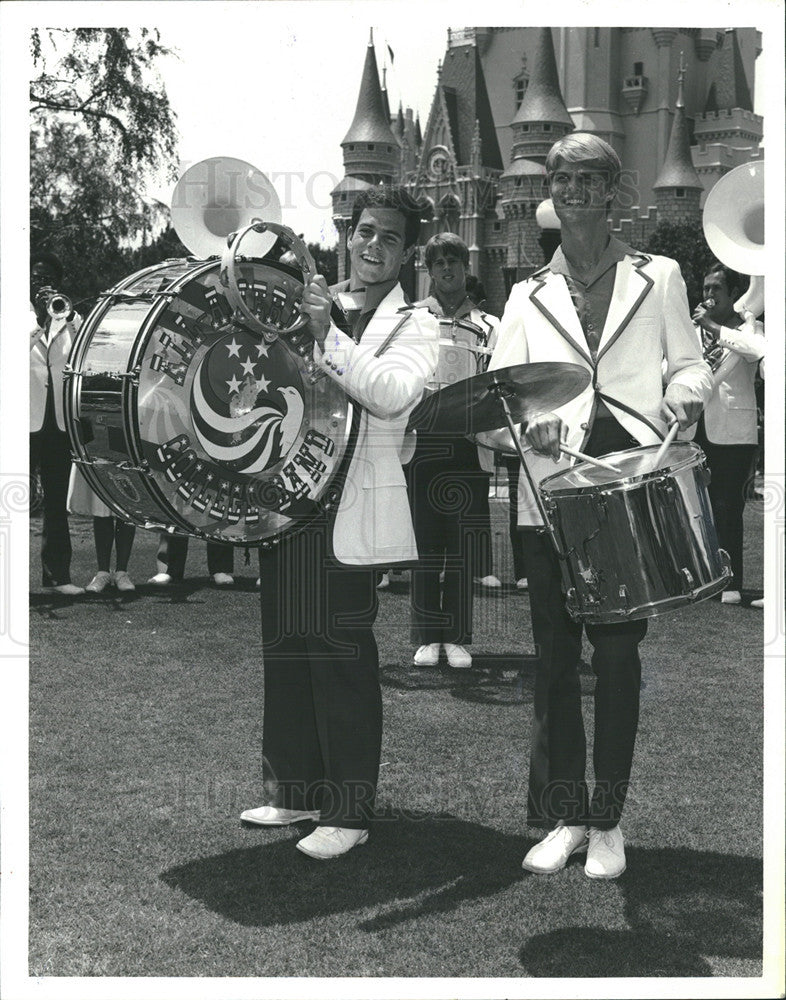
[(58, 305)]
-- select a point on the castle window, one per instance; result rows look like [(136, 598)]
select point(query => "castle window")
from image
[(638, 69), (596, 40), (546, 126), (497, 227), (679, 192), (371, 145), (351, 147), (525, 128)]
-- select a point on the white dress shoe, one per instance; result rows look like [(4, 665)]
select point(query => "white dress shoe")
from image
[(384, 582), (758, 603), (552, 853), (66, 589), (605, 854), (731, 597), (427, 656), (272, 816), (161, 579), (99, 583), (223, 579), (458, 657), (522, 584), (488, 581), (123, 581), (258, 584), (328, 842)]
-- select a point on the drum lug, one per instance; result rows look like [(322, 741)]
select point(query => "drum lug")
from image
[(69, 372), (132, 376), (83, 461), (623, 596), (690, 584)]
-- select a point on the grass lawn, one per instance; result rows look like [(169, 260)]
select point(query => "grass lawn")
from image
[(145, 744)]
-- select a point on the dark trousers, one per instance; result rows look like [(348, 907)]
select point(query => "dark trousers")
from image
[(731, 468), (322, 728), (448, 497), (50, 454), (513, 465), (173, 551), (557, 783)]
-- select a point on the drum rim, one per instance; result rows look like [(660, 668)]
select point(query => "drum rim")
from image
[(694, 456)]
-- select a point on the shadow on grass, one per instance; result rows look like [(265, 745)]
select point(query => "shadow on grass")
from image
[(414, 864), (681, 905), (501, 679)]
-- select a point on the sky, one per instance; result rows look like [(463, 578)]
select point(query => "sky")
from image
[(279, 91)]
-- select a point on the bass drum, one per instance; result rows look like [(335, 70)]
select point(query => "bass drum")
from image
[(182, 420)]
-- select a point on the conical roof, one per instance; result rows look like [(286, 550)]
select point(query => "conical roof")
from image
[(543, 98), (370, 123), (730, 88), (678, 169)]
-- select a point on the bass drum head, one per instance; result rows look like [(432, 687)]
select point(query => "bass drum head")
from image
[(225, 435)]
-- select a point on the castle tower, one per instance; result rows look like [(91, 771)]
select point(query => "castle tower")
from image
[(678, 187), (728, 133), (371, 152), (459, 161), (542, 118)]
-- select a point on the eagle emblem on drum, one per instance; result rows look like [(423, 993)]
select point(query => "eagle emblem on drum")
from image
[(246, 403)]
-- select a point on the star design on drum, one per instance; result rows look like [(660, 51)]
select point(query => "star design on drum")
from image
[(234, 384), (262, 384), (234, 349), (261, 350), (248, 366)]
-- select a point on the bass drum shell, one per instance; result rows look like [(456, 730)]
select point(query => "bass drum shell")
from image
[(640, 544), (180, 419)]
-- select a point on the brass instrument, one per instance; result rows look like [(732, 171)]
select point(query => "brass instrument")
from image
[(59, 306)]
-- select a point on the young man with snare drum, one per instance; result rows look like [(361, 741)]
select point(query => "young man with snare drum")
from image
[(620, 314), (322, 726)]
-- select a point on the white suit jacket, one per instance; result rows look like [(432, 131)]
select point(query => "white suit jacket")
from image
[(373, 524), (730, 414), (648, 330), (48, 356)]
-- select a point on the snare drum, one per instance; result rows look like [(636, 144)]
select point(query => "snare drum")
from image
[(462, 353), (639, 544), (182, 420)]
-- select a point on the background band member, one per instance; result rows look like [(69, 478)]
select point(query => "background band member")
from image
[(448, 486), (50, 452), (619, 313), (727, 431), (171, 561), (323, 707)]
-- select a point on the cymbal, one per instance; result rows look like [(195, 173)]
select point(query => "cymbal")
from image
[(474, 404)]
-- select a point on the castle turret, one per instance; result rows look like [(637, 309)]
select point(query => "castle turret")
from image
[(542, 118), (678, 187), (371, 152)]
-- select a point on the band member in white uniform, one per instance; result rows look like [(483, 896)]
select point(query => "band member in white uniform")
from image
[(322, 724), (618, 313), (448, 479), (51, 338), (727, 431)]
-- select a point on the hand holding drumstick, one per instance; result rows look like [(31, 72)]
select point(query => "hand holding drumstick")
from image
[(546, 435)]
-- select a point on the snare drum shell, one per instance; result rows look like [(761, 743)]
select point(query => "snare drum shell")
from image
[(639, 545)]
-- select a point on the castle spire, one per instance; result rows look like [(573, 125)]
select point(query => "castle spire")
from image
[(369, 123), (678, 170), (543, 98)]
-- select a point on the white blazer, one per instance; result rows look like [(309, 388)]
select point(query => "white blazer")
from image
[(48, 356), (730, 414), (373, 524), (648, 330)]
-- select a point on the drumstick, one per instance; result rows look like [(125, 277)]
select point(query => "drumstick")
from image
[(588, 458), (665, 446)]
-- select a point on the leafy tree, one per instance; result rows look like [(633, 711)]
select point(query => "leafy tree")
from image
[(101, 132), (684, 242)]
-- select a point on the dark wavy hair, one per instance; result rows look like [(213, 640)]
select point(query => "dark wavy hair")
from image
[(401, 200), (51, 260)]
